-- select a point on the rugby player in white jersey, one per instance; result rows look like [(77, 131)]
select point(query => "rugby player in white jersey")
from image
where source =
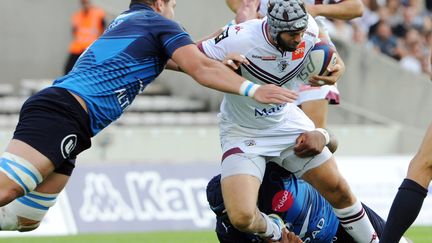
[(251, 134), (312, 100)]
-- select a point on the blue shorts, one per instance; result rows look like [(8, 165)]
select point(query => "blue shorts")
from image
[(54, 123)]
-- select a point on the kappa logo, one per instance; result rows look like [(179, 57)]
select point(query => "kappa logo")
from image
[(299, 52), (67, 145), (238, 28)]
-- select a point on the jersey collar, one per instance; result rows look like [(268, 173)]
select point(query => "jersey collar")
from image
[(139, 6)]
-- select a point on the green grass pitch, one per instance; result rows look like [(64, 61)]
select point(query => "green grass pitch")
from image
[(417, 234)]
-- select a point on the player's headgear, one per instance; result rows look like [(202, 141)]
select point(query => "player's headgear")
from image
[(286, 15)]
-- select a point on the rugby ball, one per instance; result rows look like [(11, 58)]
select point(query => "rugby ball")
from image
[(322, 56)]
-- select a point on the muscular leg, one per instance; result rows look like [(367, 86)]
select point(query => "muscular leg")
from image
[(10, 189), (240, 193), (22, 169), (327, 179), (241, 179), (49, 188), (316, 110), (412, 192)]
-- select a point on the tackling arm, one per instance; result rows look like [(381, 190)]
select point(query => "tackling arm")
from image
[(215, 75)]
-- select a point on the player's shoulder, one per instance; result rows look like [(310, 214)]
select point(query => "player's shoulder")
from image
[(312, 30), (246, 33), (247, 28)]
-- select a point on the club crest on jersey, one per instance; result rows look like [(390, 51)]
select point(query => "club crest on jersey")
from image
[(299, 52), (282, 65)]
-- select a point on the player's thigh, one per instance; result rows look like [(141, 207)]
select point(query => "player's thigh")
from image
[(33, 156), (328, 180), (31, 165), (240, 194), (241, 178), (316, 110)]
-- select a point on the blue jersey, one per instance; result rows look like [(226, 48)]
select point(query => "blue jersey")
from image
[(304, 210), (130, 54)]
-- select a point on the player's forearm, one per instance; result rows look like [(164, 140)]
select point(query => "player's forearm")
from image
[(217, 76), (345, 10)]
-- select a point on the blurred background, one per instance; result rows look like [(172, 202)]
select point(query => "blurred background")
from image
[(168, 139)]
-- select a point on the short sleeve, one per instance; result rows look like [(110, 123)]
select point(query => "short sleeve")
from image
[(172, 36), (230, 40)]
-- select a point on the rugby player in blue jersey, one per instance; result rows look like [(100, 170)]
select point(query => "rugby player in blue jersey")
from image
[(57, 123), (305, 212)]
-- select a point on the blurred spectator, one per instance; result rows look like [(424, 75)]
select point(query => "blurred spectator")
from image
[(88, 24), (384, 40), (410, 20), (401, 29)]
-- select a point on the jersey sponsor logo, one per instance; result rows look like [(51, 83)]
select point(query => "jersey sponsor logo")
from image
[(122, 98), (315, 234), (222, 36), (299, 52), (268, 112), (67, 145), (264, 58), (282, 201)]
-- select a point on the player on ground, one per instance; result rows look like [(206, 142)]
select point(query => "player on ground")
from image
[(312, 100), (252, 134), (304, 211), (412, 192), (57, 123)]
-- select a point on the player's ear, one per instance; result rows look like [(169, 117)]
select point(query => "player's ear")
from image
[(158, 5)]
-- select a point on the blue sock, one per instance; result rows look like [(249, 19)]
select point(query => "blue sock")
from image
[(405, 209)]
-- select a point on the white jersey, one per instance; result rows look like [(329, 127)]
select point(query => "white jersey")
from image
[(268, 65), (308, 93)]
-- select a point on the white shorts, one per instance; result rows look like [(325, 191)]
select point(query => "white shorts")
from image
[(246, 150), (308, 93)]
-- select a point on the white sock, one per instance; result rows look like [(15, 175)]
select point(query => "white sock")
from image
[(272, 231), (356, 223)]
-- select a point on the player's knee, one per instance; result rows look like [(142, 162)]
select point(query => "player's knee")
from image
[(26, 212), (20, 171), (8, 194), (242, 219)]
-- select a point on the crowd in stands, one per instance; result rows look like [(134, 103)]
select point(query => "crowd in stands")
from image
[(401, 29)]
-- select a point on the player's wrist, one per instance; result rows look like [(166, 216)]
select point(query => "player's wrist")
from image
[(325, 133), (247, 88)]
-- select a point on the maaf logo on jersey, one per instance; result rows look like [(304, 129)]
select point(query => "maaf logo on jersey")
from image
[(299, 52)]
